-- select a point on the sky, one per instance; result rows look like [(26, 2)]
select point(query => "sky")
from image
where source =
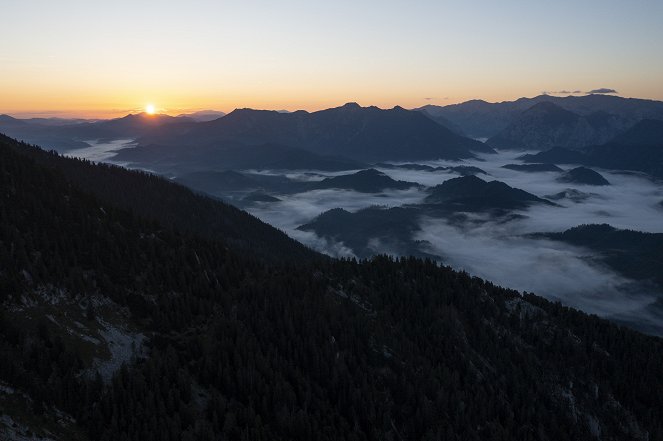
[(104, 59)]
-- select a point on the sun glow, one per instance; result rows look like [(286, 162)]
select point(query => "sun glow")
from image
[(149, 109)]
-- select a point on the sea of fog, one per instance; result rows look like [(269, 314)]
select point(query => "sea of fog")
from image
[(499, 251), (495, 250)]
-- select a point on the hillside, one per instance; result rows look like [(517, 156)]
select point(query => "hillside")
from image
[(173, 206)]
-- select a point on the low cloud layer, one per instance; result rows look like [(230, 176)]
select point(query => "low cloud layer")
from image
[(500, 252), (603, 90)]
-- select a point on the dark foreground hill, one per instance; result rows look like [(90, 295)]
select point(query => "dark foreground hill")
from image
[(223, 346), (173, 206)]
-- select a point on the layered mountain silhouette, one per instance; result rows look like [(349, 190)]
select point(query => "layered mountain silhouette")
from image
[(583, 175), (531, 168), (364, 181), (223, 182), (634, 254), (203, 115), (640, 148), (546, 125), (230, 156), (351, 131), (470, 193), (481, 119)]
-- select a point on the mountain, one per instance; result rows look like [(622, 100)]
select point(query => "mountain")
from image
[(530, 168), (116, 326), (583, 175), (481, 119), (173, 206), (470, 193), (571, 194), (36, 131), (460, 169), (441, 120), (236, 186), (178, 160), (371, 231), (364, 181), (365, 134), (128, 127), (546, 125), (464, 170), (257, 196), (638, 149), (203, 115), (556, 155), (634, 254)]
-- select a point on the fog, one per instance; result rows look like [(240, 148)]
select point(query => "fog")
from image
[(497, 251), (100, 151), (500, 251)]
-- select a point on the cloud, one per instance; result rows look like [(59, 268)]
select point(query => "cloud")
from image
[(602, 90), (560, 92)]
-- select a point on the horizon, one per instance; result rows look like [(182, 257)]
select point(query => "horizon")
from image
[(81, 60), (184, 112)]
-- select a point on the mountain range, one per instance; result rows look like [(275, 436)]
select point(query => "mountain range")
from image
[(546, 125), (640, 148), (481, 119)]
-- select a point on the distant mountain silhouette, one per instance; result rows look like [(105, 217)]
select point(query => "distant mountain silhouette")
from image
[(543, 167), (638, 149), (257, 196), (231, 156), (203, 115), (634, 254), (470, 193), (443, 121), (359, 133), (238, 186), (364, 181), (556, 155), (371, 231), (583, 175), (546, 125), (481, 119), (37, 131), (571, 194), (462, 170)]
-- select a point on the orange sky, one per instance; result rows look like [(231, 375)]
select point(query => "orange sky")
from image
[(79, 59)]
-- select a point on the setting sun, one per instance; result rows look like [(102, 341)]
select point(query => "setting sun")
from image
[(149, 109)]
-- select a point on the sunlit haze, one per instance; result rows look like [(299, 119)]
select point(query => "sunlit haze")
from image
[(78, 58)]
